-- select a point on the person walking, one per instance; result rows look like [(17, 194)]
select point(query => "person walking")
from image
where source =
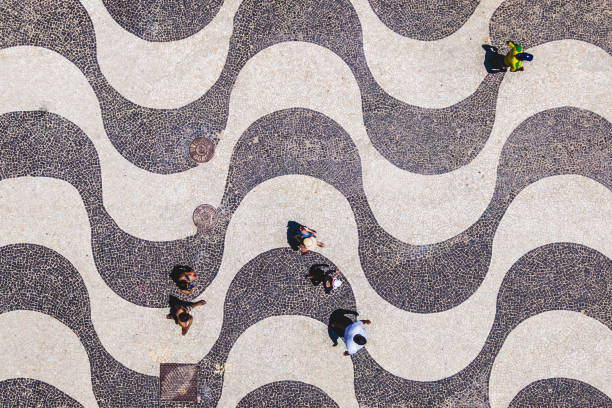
[(179, 311), (184, 276), (515, 57), (323, 273), (353, 333), (307, 239)]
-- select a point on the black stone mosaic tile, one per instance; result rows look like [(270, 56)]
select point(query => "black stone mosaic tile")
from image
[(561, 393), (29, 393), (166, 20), (55, 288), (283, 394), (428, 141), (420, 278), (44, 144), (531, 23), (431, 141), (560, 276), (272, 284), (424, 20), (425, 278), (544, 279), (552, 277)]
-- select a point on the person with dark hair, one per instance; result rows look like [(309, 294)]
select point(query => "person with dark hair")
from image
[(184, 276), (322, 273), (353, 333), (515, 57), (179, 311), (306, 239)]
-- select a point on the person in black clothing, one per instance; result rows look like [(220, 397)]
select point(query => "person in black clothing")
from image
[(323, 273), (184, 276), (338, 322), (179, 311)]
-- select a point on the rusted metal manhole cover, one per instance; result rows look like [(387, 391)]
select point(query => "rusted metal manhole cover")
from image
[(205, 217), (178, 382), (201, 149)]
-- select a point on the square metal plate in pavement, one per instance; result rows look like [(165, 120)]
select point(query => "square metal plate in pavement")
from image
[(178, 382)]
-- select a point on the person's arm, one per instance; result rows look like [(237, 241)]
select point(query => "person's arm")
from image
[(311, 231), (195, 304), (344, 311), (186, 291)]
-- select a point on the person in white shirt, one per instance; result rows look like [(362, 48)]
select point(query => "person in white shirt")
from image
[(353, 333)]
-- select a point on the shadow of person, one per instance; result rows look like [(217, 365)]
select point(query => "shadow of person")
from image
[(292, 229), (494, 61)]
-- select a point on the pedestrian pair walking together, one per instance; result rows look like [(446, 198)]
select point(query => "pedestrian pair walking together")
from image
[(184, 278)]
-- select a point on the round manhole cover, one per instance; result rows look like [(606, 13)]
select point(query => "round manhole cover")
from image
[(201, 149), (205, 217)]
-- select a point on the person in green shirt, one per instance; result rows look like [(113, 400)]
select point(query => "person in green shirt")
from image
[(515, 57)]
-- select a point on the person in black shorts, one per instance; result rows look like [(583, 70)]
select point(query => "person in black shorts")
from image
[(323, 273), (179, 311)]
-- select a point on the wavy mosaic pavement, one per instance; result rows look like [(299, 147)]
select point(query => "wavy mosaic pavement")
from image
[(210, 112), (423, 278), (469, 213), (57, 290), (425, 202), (540, 281), (536, 23), (162, 21), (287, 393), (560, 392), (455, 144), (548, 268), (25, 392)]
